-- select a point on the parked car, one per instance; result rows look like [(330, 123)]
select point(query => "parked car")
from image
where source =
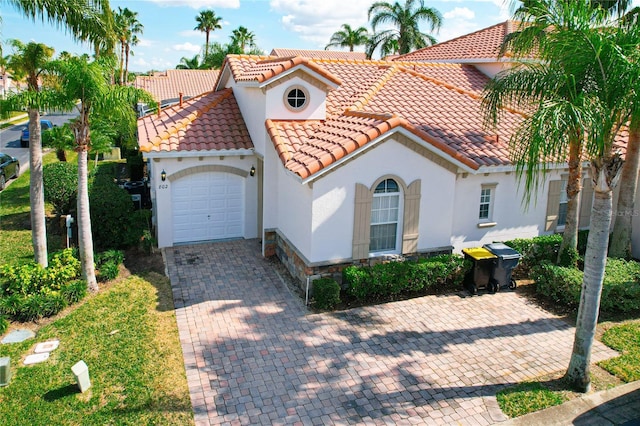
[(9, 168), (24, 138)]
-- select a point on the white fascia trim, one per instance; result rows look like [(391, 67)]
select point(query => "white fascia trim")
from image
[(225, 74), (377, 140), (189, 154), (304, 69), (467, 61), (512, 168)]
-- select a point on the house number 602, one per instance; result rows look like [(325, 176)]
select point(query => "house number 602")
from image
[(163, 186)]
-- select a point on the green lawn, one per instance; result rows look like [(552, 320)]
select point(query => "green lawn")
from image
[(126, 334)]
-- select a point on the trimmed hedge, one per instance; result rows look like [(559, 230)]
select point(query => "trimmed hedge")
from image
[(620, 290), (326, 293), (536, 250), (437, 273), (60, 183)]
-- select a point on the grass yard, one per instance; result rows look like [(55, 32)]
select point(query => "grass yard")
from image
[(126, 334)]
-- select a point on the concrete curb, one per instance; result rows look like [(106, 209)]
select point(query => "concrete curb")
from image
[(614, 406)]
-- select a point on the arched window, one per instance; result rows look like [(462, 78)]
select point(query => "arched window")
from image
[(386, 214)]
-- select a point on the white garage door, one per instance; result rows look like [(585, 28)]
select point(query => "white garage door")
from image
[(207, 206)]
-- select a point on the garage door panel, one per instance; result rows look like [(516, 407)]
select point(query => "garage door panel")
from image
[(208, 206)]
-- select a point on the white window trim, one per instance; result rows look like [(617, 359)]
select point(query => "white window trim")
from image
[(288, 90), (399, 222), (488, 221)]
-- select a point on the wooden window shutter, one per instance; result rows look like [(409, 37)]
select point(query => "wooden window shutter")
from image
[(553, 205), (361, 222), (586, 201), (411, 218)]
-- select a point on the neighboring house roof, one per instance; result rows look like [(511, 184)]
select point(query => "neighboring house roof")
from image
[(324, 54), (208, 122), (170, 84), (258, 69), (481, 45)]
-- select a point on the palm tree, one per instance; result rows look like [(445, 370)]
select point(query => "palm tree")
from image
[(406, 20), (189, 64), (30, 59), (242, 37), (127, 27), (348, 37), (87, 21), (586, 59), (88, 83), (207, 22)]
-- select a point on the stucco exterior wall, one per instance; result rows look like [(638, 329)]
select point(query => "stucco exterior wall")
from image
[(251, 102), (161, 192), (511, 218), (334, 196), (276, 108)]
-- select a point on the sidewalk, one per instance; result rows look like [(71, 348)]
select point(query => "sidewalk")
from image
[(16, 120), (616, 406)]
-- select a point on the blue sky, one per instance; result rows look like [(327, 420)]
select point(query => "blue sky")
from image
[(302, 24)]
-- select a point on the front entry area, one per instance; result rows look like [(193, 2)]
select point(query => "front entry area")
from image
[(208, 206)]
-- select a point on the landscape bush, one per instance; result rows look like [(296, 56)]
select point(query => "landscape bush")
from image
[(114, 222), (326, 293), (4, 324), (60, 182), (434, 274), (535, 251), (620, 290), (108, 264), (29, 291)]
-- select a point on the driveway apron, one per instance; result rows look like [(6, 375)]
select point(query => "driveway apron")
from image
[(255, 355)]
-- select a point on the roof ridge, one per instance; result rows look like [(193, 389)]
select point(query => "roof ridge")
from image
[(374, 89)]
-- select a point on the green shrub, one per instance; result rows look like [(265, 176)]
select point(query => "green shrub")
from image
[(385, 279), (560, 284), (4, 324), (326, 293), (60, 182), (535, 251), (621, 287), (108, 264), (358, 281), (29, 291), (114, 223)]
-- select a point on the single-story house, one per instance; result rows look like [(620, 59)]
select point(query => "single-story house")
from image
[(331, 162)]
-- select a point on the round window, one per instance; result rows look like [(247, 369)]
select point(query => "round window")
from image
[(296, 98)]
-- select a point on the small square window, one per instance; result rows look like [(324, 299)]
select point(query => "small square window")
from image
[(487, 196)]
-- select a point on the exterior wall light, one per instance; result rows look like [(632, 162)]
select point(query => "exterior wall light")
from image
[(252, 172), (163, 175)]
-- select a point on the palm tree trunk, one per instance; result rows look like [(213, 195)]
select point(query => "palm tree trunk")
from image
[(126, 64), (594, 265), (206, 46), (570, 234), (85, 237), (36, 190), (121, 63), (621, 236)]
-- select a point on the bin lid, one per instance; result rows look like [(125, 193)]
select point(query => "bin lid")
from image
[(502, 250), (479, 253)]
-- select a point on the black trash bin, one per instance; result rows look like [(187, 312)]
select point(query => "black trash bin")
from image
[(507, 259), (482, 272)]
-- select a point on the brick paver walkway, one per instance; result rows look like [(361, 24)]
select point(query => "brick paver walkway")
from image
[(255, 355)]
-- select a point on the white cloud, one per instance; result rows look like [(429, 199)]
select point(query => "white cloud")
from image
[(198, 4), (187, 47), (460, 13), (190, 33), (141, 65), (145, 42), (316, 21)]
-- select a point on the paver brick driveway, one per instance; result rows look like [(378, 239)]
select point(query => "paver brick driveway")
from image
[(255, 355)]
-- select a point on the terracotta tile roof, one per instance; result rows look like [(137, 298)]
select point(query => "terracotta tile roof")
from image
[(482, 44), (211, 121), (171, 83), (316, 54), (260, 69)]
